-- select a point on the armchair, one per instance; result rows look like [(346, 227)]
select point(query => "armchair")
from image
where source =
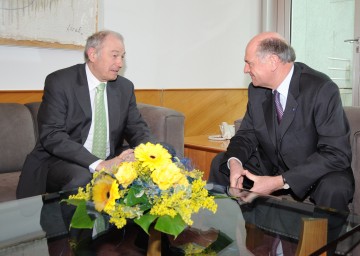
[(19, 131)]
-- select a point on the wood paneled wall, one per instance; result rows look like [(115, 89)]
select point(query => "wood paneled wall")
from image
[(204, 109), (20, 96)]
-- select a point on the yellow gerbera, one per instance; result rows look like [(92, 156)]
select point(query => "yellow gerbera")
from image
[(152, 155), (105, 192)]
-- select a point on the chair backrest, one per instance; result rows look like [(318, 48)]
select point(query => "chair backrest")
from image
[(353, 115), (167, 125), (19, 130), (34, 108), (17, 136)]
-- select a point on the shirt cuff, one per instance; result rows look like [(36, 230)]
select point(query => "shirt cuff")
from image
[(228, 162), (93, 166)]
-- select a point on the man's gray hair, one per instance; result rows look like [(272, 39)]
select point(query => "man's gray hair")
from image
[(96, 40), (278, 47)]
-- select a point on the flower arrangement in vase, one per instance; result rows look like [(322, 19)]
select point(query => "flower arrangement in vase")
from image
[(156, 188)]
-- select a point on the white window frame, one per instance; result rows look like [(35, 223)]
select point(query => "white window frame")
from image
[(277, 17)]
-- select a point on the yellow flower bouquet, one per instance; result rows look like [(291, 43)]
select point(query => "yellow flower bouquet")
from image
[(156, 188)]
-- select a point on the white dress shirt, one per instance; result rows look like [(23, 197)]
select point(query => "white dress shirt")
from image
[(283, 90), (93, 82)]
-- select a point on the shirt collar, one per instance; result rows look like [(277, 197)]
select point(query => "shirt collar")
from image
[(93, 82), (283, 88)]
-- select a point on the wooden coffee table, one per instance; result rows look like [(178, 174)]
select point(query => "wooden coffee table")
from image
[(201, 151)]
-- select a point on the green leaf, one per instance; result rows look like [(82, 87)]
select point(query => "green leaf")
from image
[(133, 198), (75, 202), (145, 221), (100, 226), (173, 226), (145, 207), (81, 219)]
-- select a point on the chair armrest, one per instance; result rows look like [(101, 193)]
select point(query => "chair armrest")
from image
[(237, 124)]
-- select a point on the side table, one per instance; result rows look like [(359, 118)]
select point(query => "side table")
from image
[(201, 151)]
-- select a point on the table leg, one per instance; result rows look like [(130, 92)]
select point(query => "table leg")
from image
[(313, 236), (154, 245)]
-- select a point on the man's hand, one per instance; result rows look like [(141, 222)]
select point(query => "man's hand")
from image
[(265, 184), (125, 156), (236, 174)]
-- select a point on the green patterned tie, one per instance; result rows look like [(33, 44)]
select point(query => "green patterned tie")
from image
[(100, 129)]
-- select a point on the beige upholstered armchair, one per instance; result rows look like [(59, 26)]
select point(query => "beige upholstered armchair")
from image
[(18, 134)]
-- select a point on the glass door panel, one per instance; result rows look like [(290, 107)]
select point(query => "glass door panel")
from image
[(319, 30)]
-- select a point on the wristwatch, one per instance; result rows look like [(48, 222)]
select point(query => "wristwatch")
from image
[(286, 185)]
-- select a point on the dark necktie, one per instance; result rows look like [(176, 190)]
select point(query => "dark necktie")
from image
[(278, 107)]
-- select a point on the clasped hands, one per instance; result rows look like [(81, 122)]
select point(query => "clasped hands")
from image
[(264, 185), (125, 156)]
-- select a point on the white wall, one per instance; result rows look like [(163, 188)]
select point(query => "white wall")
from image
[(169, 44)]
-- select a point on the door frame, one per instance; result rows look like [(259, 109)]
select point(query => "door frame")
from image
[(356, 56)]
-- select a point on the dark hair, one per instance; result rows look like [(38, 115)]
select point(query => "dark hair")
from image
[(96, 40), (276, 46)]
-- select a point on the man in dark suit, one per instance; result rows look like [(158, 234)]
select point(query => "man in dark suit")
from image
[(302, 149), (62, 158)]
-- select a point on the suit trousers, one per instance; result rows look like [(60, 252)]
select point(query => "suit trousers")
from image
[(220, 174), (333, 190), (65, 176)]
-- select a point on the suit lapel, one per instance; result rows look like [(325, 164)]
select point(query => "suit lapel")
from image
[(268, 110), (289, 114), (83, 97), (291, 103), (114, 117)]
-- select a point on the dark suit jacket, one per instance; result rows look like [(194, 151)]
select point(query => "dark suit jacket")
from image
[(64, 120), (314, 131)]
